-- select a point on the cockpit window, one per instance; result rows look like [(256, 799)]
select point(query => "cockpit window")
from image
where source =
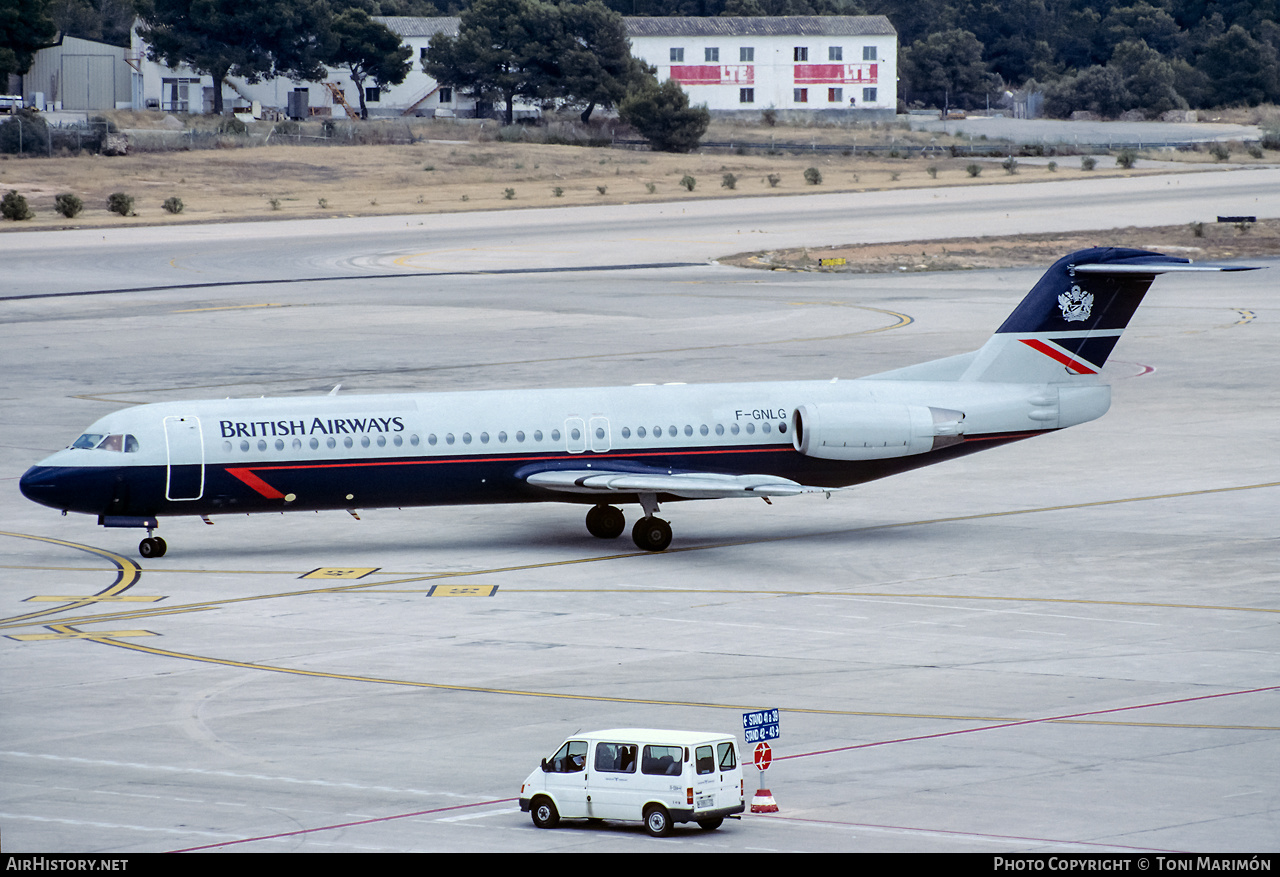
[(118, 442)]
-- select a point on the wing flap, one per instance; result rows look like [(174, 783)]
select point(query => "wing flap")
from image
[(699, 485)]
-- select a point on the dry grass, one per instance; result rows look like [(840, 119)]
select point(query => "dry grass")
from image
[(286, 181), (1215, 241)]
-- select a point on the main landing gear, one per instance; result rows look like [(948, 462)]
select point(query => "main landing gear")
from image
[(650, 532)]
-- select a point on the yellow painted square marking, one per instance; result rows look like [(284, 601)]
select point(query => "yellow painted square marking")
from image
[(33, 637), (119, 598), (333, 572), (462, 591)]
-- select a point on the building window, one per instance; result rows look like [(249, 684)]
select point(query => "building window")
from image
[(746, 95), (372, 95), (446, 95), (868, 53), (835, 95), (835, 53), (746, 55), (868, 95), (711, 56), (801, 95), (677, 56), (801, 53)]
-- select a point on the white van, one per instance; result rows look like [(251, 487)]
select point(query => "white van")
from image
[(657, 777)]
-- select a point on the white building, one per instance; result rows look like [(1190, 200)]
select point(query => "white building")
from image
[(840, 64), (798, 65)]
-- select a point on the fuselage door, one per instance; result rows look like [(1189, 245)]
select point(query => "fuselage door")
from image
[(184, 444), (575, 435), (598, 433)]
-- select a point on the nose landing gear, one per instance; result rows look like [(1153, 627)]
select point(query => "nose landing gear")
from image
[(152, 546)]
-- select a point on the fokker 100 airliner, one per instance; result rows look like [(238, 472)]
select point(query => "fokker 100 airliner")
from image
[(600, 446)]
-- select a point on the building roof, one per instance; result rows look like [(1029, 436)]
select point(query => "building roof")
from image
[(417, 26), (679, 26), (760, 26)]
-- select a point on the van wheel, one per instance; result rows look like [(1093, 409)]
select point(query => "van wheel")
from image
[(656, 821), (544, 813), (711, 824)]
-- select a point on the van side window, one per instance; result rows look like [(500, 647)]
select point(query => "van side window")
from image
[(704, 760), (571, 758), (662, 761), (616, 757), (728, 758)]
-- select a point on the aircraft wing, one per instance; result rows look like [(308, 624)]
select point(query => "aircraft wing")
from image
[(695, 485)]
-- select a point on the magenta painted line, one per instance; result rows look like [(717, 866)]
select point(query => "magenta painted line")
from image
[(246, 840), (774, 817), (1061, 718)]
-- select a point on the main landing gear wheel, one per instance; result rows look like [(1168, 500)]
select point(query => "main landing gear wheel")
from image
[(606, 522), (152, 546), (651, 534)]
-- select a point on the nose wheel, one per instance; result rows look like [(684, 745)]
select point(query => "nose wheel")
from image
[(152, 546)]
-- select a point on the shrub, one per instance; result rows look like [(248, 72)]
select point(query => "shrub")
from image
[(233, 125), (1255, 151), (662, 115), (509, 194), (1010, 165), (119, 202), (973, 168), (173, 205), (1197, 229), (14, 206), (812, 176), (932, 170), (27, 131), (558, 191), (68, 205), (688, 182), (274, 202), (1126, 159), (769, 117), (651, 187), (1053, 167), (323, 203), (773, 179), (729, 181), (1088, 163), (602, 189), (1220, 151)]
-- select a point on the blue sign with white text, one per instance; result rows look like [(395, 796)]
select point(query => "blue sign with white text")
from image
[(760, 725)]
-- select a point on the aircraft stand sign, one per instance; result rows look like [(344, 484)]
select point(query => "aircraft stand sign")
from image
[(758, 727)]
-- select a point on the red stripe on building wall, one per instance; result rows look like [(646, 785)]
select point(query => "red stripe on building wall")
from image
[(714, 74), (819, 74)]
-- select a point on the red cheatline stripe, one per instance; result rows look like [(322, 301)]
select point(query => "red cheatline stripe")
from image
[(1060, 355), (256, 483)]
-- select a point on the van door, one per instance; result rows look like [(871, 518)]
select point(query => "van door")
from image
[(611, 788), (565, 778)]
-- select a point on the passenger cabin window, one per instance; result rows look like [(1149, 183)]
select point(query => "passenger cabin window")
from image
[(571, 758), (616, 757), (704, 760), (662, 761)]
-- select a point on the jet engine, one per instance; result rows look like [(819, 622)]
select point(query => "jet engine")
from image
[(873, 430)]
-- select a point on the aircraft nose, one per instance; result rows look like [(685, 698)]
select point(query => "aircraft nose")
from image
[(41, 484)]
